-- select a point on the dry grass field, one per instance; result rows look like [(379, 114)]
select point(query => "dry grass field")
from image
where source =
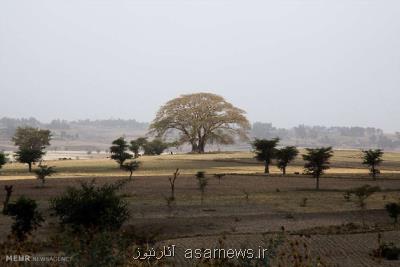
[(241, 207)]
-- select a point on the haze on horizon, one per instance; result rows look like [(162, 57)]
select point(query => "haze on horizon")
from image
[(332, 63)]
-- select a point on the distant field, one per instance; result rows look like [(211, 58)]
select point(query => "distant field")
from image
[(98, 165)]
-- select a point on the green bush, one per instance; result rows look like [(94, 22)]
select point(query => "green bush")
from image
[(394, 210), (155, 147), (390, 252), (91, 207), (95, 249), (26, 217), (43, 171)]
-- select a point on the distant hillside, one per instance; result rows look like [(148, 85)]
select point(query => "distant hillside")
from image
[(93, 135), (339, 137), (75, 135)]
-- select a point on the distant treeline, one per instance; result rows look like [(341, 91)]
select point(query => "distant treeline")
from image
[(342, 137), (9, 125), (302, 135)]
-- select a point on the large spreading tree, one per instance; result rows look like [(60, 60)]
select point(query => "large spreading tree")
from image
[(200, 119), (31, 143)]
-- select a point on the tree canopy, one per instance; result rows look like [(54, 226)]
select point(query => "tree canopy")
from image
[(265, 151), (373, 158), (31, 138), (119, 150), (137, 144), (317, 161), (31, 143), (284, 156), (200, 119), (154, 147)]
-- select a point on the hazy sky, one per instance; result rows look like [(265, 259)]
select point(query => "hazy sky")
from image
[(286, 62)]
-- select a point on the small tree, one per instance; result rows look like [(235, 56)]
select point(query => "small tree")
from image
[(26, 217), (372, 158), (29, 156), (393, 210), (137, 145), (91, 207), (31, 143), (265, 151), (131, 166), (3, 159), (43, 172), (134, 147), (317, 161), (172, 183), (362, 194), (202, 182), (284, 156), (119, 151)]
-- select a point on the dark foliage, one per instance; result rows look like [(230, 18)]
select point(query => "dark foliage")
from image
[(119, 150), (265, 151), (317, 161), (3, 159), (284, 156), (91, 207), (26, 217), (393, 210), (373, 158)]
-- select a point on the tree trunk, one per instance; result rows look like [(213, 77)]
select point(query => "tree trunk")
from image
[(284, 171), (202, 145), (30, 166), (194, 148), (266, 170), (8, 189), (173, 192), (373, 172), (317, 181), (201, 148)]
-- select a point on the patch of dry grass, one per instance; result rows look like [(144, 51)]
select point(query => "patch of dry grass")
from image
[(343, 162)]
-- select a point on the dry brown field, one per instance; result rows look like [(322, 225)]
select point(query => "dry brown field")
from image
[(241, 208)]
